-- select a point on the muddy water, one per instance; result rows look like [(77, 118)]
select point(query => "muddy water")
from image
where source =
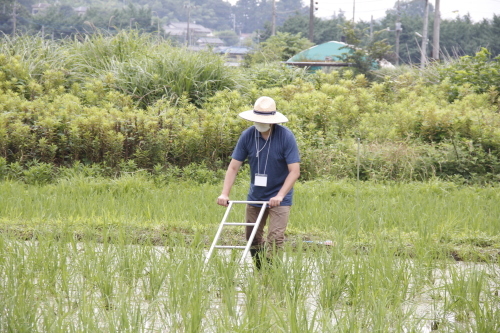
[(424, 313)]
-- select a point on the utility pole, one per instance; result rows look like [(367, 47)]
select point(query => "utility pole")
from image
[(189, 19), (158, 21), (423, 54), (311, 21), (353, 9), (188, 32), (398, 33), (273, 28), (371, 28), (14, 19), (436, 32), (234, 22)]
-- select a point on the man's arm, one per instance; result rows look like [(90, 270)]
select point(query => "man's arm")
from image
[(293, 175), (232, 171)]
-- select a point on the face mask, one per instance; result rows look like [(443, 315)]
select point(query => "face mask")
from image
[(262, 127)]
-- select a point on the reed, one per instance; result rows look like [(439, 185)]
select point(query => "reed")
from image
[(140, 65)]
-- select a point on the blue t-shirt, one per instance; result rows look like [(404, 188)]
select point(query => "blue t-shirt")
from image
[(280, 150)]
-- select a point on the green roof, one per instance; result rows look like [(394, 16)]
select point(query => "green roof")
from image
[(322, 52)]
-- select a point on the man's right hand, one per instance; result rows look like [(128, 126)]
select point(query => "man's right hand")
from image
[(223, 200)]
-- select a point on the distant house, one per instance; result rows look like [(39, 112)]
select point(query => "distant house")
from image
[(181, 28), (199, 36), (39, 7), (234, 54), (209, 41), (80, 11)]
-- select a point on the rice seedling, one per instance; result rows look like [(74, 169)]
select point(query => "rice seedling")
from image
[(257, 311), (186, 303), (128, 255), (19, 306), (155, 274)]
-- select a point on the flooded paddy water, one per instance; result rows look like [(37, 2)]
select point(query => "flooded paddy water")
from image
[(50, 285)]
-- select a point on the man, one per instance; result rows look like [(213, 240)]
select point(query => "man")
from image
[(274, 161)]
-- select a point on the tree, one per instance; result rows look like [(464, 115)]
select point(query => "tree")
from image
[(288, 8), (461, 36), (62, 20), (133, 17), (7, 19), (364, 50), (253, 15), (6, 22), (494, 43), (329, 30), (213, 14), (408, 40), (58, 22), (296, 24), (324, 30), (247, 12), (411, 8), (228, 36), (480, 71), (280, 47)]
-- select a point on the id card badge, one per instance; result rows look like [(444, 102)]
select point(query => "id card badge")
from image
[(260, 180)]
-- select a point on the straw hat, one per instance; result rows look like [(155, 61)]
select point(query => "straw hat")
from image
[(264, 111)]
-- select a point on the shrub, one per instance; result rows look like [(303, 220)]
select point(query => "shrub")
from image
[(408, 129), (480, 72), (279, 47), (269, 75), (4, 169), (38, 173)]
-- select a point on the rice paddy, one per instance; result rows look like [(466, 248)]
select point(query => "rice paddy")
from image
[(128, 255)]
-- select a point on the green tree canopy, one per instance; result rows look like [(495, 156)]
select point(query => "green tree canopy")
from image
[(280, 47)]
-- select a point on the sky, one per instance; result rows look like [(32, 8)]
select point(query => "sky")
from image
[(364, 9)]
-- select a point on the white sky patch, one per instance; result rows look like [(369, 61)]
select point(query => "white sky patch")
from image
[(365, 9)]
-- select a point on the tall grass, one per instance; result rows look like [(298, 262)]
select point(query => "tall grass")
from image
[(36, 55), (149, 69), (140, 65)]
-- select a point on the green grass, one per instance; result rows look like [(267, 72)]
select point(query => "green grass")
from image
[(408, 217), (81, 255), (141, 66)]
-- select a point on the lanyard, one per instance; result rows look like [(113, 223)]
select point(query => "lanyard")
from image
[(259, 150)]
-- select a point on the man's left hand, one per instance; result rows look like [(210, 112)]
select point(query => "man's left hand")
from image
[(275, 201)]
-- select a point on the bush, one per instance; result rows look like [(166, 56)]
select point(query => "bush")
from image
[(408, 129), (480, 72), (39, 173), (277, 48), (4, 168), (275, 74)]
